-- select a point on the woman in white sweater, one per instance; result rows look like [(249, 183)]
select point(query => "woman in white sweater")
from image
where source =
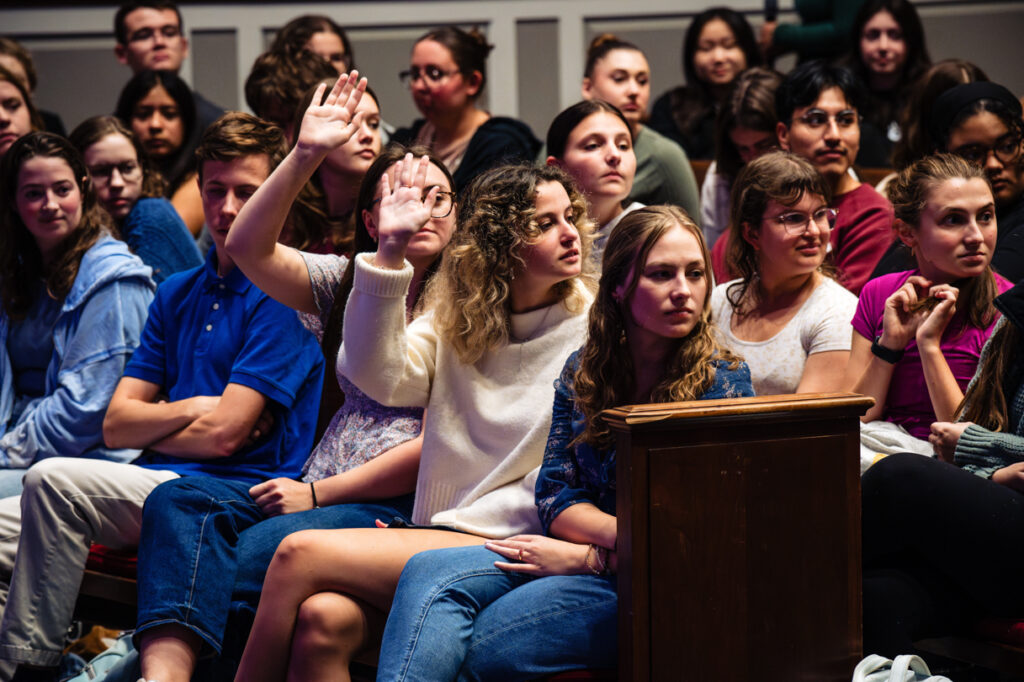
[(504, 312), (784, 316)]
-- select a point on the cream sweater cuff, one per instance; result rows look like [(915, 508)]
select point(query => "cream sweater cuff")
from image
[(383, 282)]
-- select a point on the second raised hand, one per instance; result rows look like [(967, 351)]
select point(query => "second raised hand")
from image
[(404, 210), (331, 121)]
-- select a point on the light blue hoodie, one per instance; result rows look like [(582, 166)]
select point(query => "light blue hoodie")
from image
[(96, 331)]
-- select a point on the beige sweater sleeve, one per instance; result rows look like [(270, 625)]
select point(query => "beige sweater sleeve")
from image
[(389, 361)]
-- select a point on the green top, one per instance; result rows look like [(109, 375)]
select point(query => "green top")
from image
[(664, 174), (824, 31)]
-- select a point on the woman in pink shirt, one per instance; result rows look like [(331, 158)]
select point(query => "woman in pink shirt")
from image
[(918, 334)]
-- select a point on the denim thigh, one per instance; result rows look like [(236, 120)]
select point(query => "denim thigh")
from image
[(433, 614), (546, 626), (188, 553)]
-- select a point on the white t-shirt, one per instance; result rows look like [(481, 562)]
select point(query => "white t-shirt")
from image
[(776, 365)]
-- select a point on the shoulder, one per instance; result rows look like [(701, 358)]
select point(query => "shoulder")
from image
[(886, 284), (507, 131), (106, 261), (151, 210), (1002, 284), (408, 134), (655, 146), (731, 381), (832, 293), (864, 198)]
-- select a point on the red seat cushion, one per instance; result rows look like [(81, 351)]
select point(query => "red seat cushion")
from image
[(119, 562), (1006, 630)]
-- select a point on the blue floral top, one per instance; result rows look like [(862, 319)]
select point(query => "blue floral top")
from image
[(580, 473)]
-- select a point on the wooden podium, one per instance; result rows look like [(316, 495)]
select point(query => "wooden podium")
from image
[(739, 539)]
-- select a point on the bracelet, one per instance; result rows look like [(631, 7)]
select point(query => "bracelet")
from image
[(316, 505), (887, 354), (602, 561), (602, 557)]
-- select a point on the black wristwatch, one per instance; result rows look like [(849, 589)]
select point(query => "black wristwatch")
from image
[(888, 354)]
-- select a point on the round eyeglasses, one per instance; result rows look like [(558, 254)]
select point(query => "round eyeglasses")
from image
[(796, 222)]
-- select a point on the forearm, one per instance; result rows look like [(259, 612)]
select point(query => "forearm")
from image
[(390, 474), (132, 423), (203, 438), (943, 389), (585, 524), (276, 269), (874, 382), (990, 450), (824, 372)]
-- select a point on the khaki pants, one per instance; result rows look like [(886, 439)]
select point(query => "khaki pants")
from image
[(67, 504)]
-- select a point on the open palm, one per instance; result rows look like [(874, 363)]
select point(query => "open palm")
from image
[(331, 124)]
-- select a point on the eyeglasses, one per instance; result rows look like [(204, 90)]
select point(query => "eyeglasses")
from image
[(129, 170), (432, 74), (1006, 149), (442, 206), (816, 118), (797, 223), (144, 34)]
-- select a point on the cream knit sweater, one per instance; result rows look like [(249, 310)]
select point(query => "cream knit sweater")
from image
[(486, 424)]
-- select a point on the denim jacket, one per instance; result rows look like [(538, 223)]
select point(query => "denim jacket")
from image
[(96, 331)]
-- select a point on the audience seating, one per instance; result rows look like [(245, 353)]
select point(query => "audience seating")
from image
[(739, 522)]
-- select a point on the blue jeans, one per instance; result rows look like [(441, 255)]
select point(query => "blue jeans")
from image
[(456, 616), (204, 538), (10, 482)]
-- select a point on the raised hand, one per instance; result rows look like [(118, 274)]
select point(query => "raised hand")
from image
[(329, 125), (404, 209)]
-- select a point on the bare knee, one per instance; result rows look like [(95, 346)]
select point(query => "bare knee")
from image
[(297, 551), (330, 622)]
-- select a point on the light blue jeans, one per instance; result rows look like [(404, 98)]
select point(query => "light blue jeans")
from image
[(456, 616), (10, 482)]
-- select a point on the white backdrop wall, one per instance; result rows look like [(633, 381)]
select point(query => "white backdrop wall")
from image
[(534, 70)]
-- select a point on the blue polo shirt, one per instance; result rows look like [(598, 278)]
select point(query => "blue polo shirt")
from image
[(204, 332)]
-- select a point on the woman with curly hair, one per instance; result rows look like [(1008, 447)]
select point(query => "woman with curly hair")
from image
[(130, 190), (534, 605), (74, 303), (788, 319), (503, 312)]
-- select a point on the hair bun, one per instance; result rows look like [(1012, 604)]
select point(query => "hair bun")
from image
[(481, 40), (603, 39)]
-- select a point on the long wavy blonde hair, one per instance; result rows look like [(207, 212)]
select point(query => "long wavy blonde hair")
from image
[(606, 376), (470, 295)]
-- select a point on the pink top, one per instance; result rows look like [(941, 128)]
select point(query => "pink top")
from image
[(907, 402)]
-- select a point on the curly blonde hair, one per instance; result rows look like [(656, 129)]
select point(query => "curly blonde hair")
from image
[(606, 376), (470, 296)]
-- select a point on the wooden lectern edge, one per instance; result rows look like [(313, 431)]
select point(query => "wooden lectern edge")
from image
[(630, 415)]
